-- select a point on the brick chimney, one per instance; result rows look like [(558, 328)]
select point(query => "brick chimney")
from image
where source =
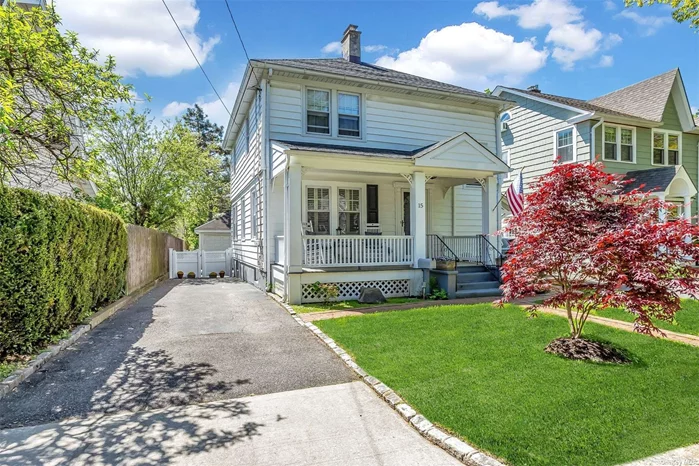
[(351, 46)]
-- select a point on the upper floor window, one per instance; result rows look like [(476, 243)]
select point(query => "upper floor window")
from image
[(564, 140), (619, 143), (348, 114), (667, 147), (504, 121), (317, 111)]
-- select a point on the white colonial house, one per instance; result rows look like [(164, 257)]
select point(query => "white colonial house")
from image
[(348, 173)]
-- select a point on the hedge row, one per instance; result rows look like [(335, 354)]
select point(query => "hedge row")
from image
[(59, 260)]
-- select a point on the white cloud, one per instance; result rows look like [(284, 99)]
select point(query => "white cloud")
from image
[(139, 33), (612, 40), (605, 61), (210, 104), (471, 55), (609, 5), (571, 37), (538, 14), (332, 48), (374, 48), (647, 25)]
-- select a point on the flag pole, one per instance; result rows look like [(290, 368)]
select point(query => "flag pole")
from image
[(503, 195)]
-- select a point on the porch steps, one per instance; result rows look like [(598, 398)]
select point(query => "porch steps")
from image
[(475, 281)]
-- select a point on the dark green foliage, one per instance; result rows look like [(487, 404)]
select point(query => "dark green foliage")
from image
[(59, 260)]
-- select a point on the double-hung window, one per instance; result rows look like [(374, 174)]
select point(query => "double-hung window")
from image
[(318, 209), (564, 141), (348, 209), (242, 219), (667, 148), (253, 213), (348, 114), (317, 111), (619, 143)]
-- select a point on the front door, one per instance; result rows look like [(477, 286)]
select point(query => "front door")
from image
[(405, 222)]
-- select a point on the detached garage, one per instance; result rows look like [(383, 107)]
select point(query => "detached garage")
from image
[(215, 235)]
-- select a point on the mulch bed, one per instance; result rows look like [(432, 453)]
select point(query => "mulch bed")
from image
[(586, 350)]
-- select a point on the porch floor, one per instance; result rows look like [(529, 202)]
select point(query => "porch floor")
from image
[(365, 268)]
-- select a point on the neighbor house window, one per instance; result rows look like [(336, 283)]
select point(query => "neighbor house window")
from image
[(348, 208), (317, 111), (619, 143), (667, 148), (234, 223), (318, 209), (348, 114), (242, 219), (564, 145), (253, 216)]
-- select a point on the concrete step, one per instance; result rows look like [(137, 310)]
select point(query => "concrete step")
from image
[(478, 285), (482, 293), (470, 277), (470, 268)]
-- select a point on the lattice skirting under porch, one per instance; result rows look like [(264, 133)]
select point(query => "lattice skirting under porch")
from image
[(350, 290)]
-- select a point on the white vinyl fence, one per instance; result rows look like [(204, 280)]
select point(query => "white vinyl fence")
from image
[(200, 262)]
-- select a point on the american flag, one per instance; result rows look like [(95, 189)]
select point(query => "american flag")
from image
[(515, 195)]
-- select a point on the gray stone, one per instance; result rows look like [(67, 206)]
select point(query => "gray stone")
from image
[(371, 296), (360, 372), (405, 410), (481, 459), (392, 398), (436, 435), (421, 424), (458, 448), (371, 380), (380, 388)]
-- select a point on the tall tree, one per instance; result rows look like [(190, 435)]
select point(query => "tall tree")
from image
[(51, 89), (682, 10), (583, 238), (148, 174)]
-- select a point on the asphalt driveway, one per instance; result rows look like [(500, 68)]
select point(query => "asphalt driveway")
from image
[(182, 343)]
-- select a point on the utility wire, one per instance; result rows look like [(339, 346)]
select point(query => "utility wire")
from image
[(235, 25), (197, 60)]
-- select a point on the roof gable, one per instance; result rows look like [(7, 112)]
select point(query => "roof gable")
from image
[(462, 152)]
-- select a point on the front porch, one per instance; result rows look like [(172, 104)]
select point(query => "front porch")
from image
[(372, 221)]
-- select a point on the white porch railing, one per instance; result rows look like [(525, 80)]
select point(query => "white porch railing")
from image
[(338, 251), (467, 248)]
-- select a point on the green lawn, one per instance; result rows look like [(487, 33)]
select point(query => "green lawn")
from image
[(345, 305), (686, 320), (481, 372)]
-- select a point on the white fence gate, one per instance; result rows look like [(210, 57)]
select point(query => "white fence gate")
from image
[(202, 263)]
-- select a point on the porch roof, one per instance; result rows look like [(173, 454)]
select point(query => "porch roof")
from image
[(349, 150), (672, 181)]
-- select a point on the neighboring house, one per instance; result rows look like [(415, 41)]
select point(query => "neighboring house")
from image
[(645, 131), (40, 174), (215, 235), (344, 172)]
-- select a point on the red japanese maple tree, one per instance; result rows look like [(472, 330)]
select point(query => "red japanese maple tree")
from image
[(581, 237)]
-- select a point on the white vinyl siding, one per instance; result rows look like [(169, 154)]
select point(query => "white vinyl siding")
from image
[(214, 241)]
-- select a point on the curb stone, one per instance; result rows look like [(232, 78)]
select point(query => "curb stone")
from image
[(9, 383), (452, 445)]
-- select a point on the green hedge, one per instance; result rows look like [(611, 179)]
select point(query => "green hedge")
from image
[(59, 260)]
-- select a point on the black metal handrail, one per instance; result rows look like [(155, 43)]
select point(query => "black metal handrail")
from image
[(493, 266), (436, 244)]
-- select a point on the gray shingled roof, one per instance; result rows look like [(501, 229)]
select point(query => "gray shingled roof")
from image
[(571, 102), (351, 150), (222, 223), (646, 99), (650, 180), (364, 70)]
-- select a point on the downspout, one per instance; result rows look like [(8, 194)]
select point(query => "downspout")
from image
[(265, 183), (592, 139), (498, 151)]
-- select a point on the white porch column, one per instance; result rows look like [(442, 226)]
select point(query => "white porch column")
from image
[(490, 199), (687, 208), (293, 225), (662, 214), (418, 220)]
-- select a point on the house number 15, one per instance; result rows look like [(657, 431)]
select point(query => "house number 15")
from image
[(420, 205)]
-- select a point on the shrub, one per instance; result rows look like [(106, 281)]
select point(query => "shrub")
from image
[(191, 275), (59, 260), (213, 275), (327, 291)]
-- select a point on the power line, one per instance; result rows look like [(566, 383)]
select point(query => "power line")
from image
[(235, 25), (197, 60)]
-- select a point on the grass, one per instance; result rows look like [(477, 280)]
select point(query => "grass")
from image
[(346, 305), (7, 368), (19, 361), (686, 320), (481, 372)]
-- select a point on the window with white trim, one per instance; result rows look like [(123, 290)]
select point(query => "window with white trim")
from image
[(667, 147), (234, 223), (349, 211), (619, 143), (564, 145), (506, 159), (242, 218), (253, 216), (317, 111), (318, 210), (348, 114)]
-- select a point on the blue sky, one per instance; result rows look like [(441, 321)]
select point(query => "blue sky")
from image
[(570, 47)]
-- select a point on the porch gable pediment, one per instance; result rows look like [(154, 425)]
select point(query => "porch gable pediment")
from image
[(461, 152)]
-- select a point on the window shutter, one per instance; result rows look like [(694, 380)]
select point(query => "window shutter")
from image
[(372, 203)]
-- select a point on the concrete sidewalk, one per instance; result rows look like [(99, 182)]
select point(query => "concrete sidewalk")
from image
[(344, 424)]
